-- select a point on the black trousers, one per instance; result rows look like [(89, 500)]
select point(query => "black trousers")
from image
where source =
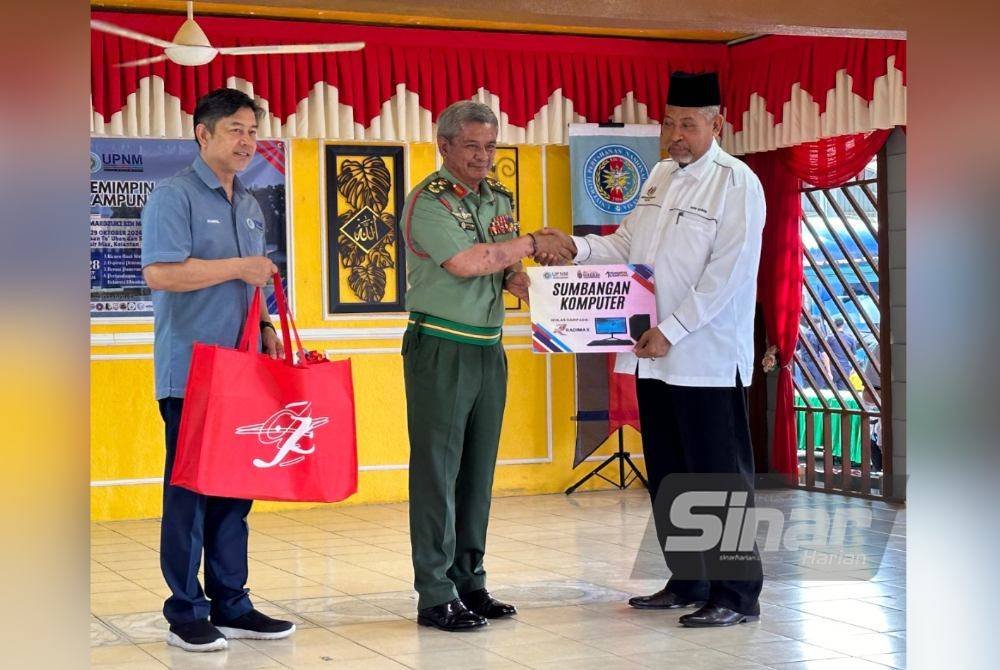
[(193, 523), (700, 430)]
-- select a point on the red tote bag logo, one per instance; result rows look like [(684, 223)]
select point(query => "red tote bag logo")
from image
[(258, 428), (288, 429)]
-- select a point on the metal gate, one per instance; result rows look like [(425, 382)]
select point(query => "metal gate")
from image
[(841, 371)]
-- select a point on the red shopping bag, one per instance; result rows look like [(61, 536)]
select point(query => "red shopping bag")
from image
[(257, 428)]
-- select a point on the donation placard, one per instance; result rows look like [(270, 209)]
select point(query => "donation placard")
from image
[(590, 308)]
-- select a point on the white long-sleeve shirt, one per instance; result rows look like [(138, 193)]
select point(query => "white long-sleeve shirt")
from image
[(700, 228)]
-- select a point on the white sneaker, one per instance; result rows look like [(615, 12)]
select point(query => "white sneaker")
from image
[(197, 636)]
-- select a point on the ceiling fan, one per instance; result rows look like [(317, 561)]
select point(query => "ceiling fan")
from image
[(191, 47)]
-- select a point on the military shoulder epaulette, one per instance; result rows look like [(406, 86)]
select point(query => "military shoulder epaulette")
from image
[(437, 186), (497, 186)]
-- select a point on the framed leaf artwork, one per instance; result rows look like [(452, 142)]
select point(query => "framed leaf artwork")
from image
[(364, 198)]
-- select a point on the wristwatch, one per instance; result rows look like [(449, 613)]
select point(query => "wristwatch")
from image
[(266, 324)]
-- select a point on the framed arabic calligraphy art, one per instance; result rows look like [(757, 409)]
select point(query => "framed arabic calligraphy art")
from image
[(364, 197)]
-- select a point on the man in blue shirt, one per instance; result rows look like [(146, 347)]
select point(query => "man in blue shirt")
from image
[(808, 373), (203, 257), (844, 356)]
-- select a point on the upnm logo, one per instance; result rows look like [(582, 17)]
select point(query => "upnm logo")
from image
[(289, 430)]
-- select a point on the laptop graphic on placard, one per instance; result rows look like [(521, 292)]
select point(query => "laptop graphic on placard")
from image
[(609, 325)]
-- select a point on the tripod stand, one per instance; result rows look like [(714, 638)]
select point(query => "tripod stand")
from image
[(622, 457)]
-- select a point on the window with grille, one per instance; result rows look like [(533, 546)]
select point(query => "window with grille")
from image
[(837, 369)]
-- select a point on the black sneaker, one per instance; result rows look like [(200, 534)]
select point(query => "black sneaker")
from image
[(196, 636), (254, 625)]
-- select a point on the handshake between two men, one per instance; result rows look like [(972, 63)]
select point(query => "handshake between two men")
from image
[(549, 247), (554, 247)]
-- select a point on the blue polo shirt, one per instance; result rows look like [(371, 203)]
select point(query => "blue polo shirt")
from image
[(189, 216)]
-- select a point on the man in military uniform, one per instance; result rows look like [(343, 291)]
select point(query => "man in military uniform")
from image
[(463, 249)]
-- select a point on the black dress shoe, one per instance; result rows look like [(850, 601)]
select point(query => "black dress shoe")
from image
[(662, 600), (716, 616), (450, 616), (485, 605)]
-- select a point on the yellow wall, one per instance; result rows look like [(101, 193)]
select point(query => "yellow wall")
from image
[(127, 433)]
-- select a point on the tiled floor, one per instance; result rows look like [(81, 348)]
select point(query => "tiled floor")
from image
[(569, 563)]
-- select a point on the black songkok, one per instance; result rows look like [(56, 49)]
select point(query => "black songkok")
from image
[(688, 89)]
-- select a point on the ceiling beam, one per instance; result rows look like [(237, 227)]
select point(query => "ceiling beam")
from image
[(710, 20)]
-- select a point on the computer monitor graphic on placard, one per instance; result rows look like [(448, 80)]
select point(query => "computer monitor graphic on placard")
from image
[(611, 326)]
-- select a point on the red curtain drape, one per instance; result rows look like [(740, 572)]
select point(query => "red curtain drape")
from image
[(830, 162), (779, 290), (770, 66), (826, 163)]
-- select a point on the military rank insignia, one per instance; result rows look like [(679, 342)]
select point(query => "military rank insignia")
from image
[(497, 186), (503, 224), (437, 186)]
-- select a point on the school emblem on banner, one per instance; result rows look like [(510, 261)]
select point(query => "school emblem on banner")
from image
[(608, 166), (614, 173), (364, 192)]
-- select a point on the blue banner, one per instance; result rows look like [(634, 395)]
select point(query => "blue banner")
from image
[(608, 166), (123, 172)]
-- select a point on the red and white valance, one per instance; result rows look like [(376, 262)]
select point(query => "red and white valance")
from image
[(394, 89), (784, 91)]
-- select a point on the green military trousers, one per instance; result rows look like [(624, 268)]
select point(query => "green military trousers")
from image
[(455, 397)]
